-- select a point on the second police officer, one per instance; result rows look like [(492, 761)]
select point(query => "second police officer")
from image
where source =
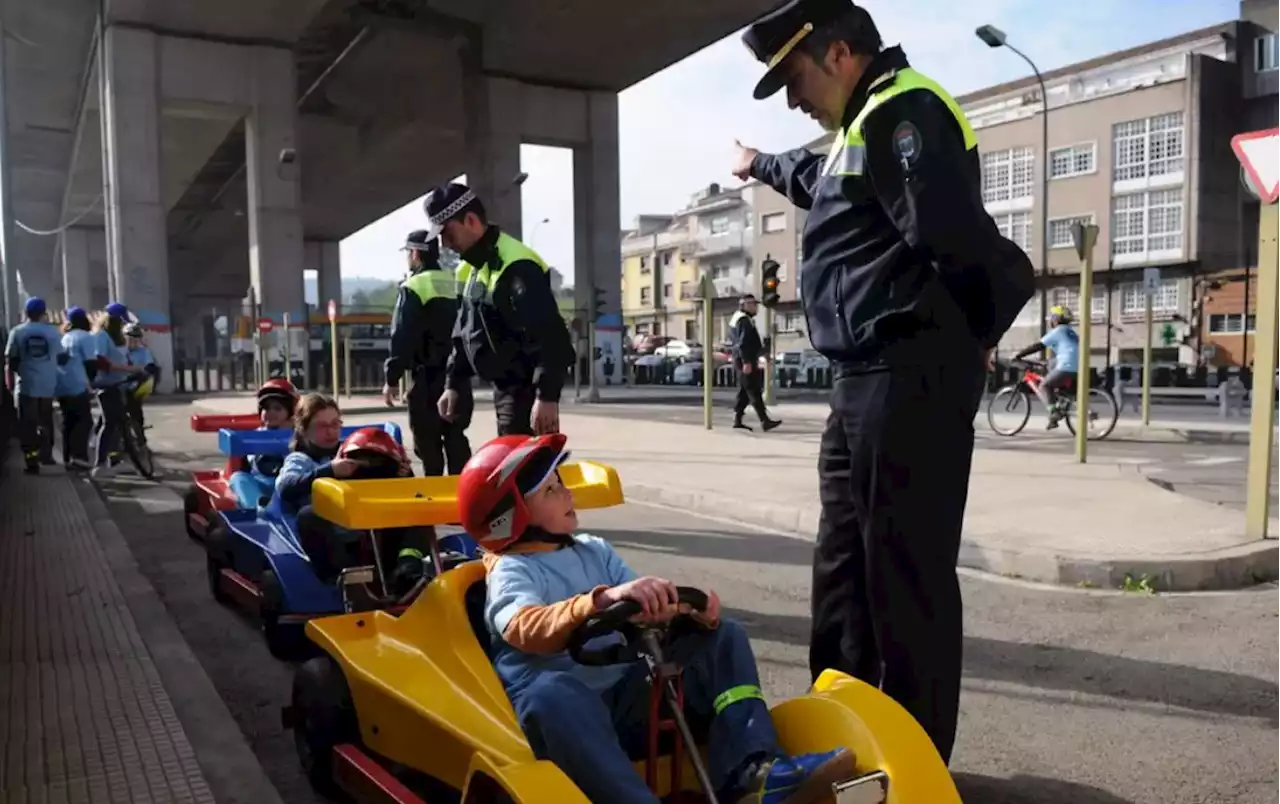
[(421, 340), (906, 282), (509, 331)]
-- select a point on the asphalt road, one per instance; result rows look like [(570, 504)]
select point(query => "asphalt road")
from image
[(1207, 469), (1069, 696)]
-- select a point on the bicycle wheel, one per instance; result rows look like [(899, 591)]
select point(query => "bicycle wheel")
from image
[(1101, 417), (135, 445), (1009, 410)]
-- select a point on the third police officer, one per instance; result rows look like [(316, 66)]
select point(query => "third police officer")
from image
[(509, 331), (421, 340), (906, 282)]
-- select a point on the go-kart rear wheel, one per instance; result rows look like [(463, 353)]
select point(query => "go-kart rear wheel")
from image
[(217, 555), (323, 718), (191, 505), (284, 641)]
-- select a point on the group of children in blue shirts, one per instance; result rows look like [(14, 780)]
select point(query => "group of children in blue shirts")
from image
[(43, 364)]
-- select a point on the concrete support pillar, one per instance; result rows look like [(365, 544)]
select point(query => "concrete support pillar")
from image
[(77, 278), (597, 249), (274, 192), (99, 269), (137, 240), (325, 258), (495, 149)]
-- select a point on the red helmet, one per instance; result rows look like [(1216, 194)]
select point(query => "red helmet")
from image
[(280, 390), (374, 445), (492, 486)]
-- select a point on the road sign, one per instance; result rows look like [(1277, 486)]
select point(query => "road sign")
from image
[(333, 311), (265, 325), (1150, 280), (1259, 154)]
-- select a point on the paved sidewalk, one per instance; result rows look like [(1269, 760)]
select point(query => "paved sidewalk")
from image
[(88, 661), (1041, 517)]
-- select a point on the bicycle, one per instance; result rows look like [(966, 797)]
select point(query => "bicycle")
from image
[(1015, 400), (133, 433)]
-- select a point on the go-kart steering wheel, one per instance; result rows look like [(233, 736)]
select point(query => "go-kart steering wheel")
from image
[(617, 619)]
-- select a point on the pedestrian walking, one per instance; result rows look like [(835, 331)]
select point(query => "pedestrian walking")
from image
[(74, 399), (32, 357), (747, 350)]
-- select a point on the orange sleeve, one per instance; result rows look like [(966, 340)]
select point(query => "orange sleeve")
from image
[(546, 629)]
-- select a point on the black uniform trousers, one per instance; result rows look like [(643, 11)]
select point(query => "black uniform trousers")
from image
[(513, 405), (35, 428), (750, 390), (439, 444), (893, 470)]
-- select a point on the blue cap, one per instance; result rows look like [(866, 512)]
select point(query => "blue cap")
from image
[(35, 307), (74, 312), (117, 310)]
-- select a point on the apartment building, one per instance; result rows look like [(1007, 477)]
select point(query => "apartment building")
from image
[(665, 256)]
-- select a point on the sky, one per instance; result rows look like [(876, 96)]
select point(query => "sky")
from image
[(677, 127)]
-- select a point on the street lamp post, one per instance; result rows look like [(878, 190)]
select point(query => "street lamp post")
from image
[(994, 37)]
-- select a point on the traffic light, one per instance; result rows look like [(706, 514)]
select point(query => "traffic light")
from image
[(597, 304), (769, 282)]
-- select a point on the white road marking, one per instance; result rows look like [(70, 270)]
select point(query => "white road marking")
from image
[(1217, 461)]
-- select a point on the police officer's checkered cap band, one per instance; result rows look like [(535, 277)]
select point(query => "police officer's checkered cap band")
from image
[(445, 215)]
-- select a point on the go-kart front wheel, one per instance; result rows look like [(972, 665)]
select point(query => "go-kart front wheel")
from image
[(190, 507), (285, 641), (323, 718), (217, 555)]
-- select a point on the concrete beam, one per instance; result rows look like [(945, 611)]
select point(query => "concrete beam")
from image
[(494, 158), (325, 258), (597, 249)]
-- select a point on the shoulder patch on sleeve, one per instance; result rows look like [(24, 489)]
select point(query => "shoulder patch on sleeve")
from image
[(907, 142)]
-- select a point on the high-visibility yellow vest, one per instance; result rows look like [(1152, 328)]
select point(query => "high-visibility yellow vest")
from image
[(428, 285), (477, 285), (848, 153)]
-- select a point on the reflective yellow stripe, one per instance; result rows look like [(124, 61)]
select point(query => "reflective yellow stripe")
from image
[(428, 285), (742, 692), (410, 552), (509, 250), (850, 158)]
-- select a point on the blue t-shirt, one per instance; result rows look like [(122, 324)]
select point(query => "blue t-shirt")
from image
[(74, 380), (140, 357), (518, 580), (118, 354), (36, 345), (1065, 344)]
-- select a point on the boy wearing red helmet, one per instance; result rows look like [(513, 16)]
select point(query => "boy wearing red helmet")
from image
[(544, 580), (277, 399)]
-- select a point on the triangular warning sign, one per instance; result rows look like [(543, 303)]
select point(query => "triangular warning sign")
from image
[(1259, 153)]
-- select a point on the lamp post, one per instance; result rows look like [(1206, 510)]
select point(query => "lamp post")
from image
[(994, 37), (536, 227)]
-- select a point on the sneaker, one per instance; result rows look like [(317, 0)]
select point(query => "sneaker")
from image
[(804, 779), (103, 471), (769, 424), (743, 426)]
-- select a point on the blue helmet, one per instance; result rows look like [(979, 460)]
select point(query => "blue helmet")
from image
[(75, 313), (117, 310), (35, 307)]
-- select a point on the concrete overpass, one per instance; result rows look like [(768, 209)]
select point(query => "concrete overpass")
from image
[(174, 154)]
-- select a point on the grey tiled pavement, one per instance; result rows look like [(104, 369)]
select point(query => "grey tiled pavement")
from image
[(84, 717)]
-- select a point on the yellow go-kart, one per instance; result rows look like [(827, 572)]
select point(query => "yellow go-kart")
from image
[(409, 709)]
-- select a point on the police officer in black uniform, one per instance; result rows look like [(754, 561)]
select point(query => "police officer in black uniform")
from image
[(906, 282), (509, 330), (421, 341)]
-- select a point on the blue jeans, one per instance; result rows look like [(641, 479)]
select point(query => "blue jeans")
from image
[(247, 489), (590, 735)]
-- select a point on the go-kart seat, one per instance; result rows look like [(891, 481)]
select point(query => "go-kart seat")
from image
[(474, 600)]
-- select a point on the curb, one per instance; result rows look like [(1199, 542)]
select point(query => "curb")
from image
[(1235, 567), (237, 777)]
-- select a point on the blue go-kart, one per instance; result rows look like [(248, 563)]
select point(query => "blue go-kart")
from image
[(256, 561)]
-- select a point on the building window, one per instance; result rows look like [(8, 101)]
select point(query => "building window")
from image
[(1074, 160), (1060, 230), (1017, 227), (773, 222), (691, 331), (1147, 225), (688, 290), (666, 291), (1070, 298), (1163, 300), (719, 272), (1008, 175), (1266, 53), (1148, 148), (645, 268), (791, 322), (1231, 323), (646, 295), (719, 224), (666, 258)]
